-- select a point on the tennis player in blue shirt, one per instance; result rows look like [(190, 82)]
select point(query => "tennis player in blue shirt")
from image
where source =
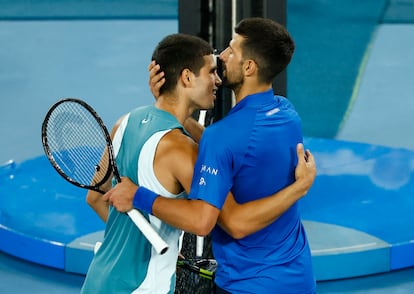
[(250, 153)]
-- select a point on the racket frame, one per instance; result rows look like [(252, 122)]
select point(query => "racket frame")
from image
[(139, 220), (112, 169)]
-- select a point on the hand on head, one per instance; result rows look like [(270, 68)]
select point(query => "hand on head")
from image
[(156, 80)]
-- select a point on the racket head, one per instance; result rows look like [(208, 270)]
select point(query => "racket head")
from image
[(78, 144)]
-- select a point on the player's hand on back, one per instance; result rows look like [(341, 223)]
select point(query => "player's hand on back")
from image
[(306, 168)]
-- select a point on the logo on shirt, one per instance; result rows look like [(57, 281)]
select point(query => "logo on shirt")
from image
[(209, 170), (145, 120), (202, 182), (273, 111)]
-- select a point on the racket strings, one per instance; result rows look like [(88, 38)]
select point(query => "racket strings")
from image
[(77, 144)]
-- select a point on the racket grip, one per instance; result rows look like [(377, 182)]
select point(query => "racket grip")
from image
[(145, 227), (199, 246)]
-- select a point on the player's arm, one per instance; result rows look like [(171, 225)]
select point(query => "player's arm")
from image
[(194, 216), (93, 198), (199, 217), (240, 220), (176, 154)]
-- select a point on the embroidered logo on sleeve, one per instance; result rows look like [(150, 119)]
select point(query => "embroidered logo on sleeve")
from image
[(273, 111), (209, 170), (202, 182)]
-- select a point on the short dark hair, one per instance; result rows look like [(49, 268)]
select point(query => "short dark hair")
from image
[(177, 52), (268, 43)]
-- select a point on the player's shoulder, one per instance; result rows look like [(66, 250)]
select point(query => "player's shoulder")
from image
[(229, 127), (176, 141), (177, 148)]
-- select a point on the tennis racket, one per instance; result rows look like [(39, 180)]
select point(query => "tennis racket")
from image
[(79, 147), (204, 267)]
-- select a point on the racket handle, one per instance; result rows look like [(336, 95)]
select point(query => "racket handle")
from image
[(199, 246), (145, 227)]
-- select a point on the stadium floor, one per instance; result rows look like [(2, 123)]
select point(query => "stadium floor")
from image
[(19, 276)]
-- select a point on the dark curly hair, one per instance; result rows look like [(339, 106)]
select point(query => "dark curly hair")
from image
[(177, 52), (268, 43)]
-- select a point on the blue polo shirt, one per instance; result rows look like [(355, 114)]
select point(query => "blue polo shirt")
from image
[(252, 152)]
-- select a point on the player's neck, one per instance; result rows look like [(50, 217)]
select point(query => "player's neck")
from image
[(249, 89), (174, 106)]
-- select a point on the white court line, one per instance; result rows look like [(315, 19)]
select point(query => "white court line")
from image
[(345, 248)]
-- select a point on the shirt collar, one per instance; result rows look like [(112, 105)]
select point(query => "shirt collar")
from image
[(256, 99)]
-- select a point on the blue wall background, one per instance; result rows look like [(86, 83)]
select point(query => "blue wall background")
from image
[(99, 51)]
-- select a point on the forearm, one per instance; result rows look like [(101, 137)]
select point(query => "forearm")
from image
[(101, 207), (193, 216), (241, 220)]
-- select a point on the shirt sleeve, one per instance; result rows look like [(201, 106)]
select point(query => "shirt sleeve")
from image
[(213, 175)]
